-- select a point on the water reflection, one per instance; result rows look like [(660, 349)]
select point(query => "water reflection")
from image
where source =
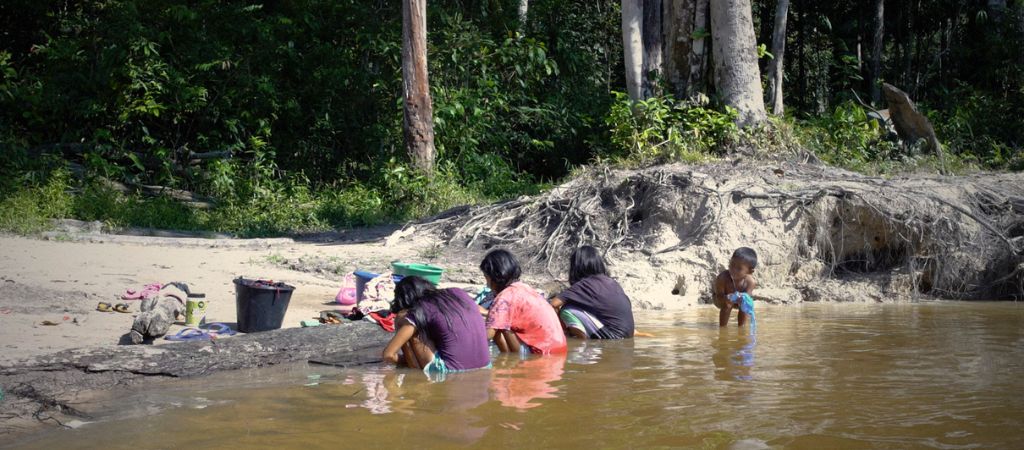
[(517, 383), (823, 376), (734, 354)]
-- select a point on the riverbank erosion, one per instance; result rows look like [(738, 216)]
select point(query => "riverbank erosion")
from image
[(822, 234)]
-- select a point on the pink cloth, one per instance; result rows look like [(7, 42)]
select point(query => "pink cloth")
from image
[(147, 291), (521, 309)]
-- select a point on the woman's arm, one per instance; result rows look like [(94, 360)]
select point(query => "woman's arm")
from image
[(557, 303), (402, 335)]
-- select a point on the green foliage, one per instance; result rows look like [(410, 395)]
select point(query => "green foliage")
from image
[(663, 129), (30, 209), (847, 137)]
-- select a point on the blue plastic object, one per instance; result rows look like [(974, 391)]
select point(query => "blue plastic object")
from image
[(746, 304), (363, 277)]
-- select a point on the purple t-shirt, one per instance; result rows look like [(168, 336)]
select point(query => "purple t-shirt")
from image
[(463, 344)]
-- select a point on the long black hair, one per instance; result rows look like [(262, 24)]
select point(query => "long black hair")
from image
[(413, 291), (584, 262), (502, 268)]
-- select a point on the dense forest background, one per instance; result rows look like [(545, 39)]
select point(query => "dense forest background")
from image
[(286, 116)]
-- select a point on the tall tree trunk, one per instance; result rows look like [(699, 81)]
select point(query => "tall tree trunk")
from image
[(801, 16), (698, 79), (876, 51), (677, 27), (737, 78), (524, 6), (652, 43), (632, 46), (775, 66), (419, 113)]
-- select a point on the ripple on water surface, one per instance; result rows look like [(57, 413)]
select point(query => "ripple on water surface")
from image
[(940, 375)]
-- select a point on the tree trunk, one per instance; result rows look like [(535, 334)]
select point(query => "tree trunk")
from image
[(737, 78), (698, 79), (678, 24), (524, 6), (632, 46), (652, 43), (876, 52), (419, 113), (801, 16), (775, 66)]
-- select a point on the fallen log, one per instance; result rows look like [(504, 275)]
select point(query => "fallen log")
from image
[(45, 387)]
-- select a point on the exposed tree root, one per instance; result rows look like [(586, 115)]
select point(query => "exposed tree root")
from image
[(954, 237)]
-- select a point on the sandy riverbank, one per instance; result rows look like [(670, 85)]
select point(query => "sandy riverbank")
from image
[(62, 281)]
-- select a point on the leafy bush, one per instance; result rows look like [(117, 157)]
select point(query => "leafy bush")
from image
[(662, 129)]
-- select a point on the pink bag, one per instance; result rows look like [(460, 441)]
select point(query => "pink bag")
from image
[(347, 295)]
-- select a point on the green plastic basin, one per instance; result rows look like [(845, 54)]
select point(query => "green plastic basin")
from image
[(427, 271)]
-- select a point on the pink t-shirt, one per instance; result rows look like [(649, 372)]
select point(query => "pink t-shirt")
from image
[(521, 309)]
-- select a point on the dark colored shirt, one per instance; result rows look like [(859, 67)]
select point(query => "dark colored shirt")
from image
[(462, 345), (602, 297)]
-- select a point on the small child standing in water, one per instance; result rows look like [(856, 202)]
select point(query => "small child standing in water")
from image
[(731, 285)]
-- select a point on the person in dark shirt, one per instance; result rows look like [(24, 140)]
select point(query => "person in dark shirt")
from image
[(438, 330), (594, 306)]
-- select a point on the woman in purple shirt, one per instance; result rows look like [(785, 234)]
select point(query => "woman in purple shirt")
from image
[(437, 330)]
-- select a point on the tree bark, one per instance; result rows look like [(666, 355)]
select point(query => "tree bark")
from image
[(737, 77), (653, 47), (419, 112), (524, 6), (698, 79), (876, 51), (678, 19), (632, 46), (775, 66)]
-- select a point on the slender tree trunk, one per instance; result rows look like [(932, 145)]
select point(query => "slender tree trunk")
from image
[(419, 113), (775, 66), (677, 22), (632, 46), (876, 52), (801, 16), (737, 78), (653, 47), (698, 79), (524, 6)]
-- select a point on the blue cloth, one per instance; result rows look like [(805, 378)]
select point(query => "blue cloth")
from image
[(746, 304), (485, 298)]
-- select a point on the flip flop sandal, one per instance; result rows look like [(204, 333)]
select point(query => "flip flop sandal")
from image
[(122, 308), (103, 307), (189, 334), (219, 329)]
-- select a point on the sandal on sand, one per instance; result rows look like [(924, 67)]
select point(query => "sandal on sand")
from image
[(189, 334), (103, 307), (122, 308), (218, 329)]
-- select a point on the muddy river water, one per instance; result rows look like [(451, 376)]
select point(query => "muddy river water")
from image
[(920, 375)]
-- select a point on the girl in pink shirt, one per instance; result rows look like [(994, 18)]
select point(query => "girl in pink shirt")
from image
[(519, 315)]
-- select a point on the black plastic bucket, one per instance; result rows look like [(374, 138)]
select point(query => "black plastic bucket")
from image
[(261, 305)]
